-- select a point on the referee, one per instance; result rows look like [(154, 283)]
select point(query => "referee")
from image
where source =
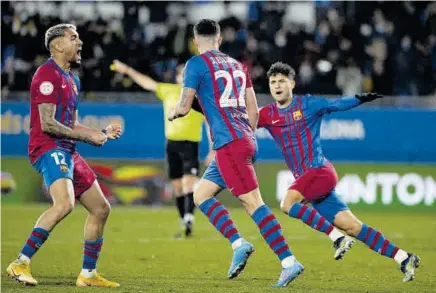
[(183, 137)]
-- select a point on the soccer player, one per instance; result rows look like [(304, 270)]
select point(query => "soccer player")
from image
[(226, 94), (183, 137), (294, 122), (54, 130)]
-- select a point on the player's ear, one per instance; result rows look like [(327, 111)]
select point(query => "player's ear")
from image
[(292, 84), (220, 40), (57, 45)]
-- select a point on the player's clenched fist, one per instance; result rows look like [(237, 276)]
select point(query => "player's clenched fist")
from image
[(114, 131), (119, 66)]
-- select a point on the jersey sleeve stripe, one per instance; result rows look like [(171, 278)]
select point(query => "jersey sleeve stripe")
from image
[(217, 96)]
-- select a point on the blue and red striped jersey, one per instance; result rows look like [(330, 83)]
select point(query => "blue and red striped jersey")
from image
[(220, 82), (50, 84), (296, 128)]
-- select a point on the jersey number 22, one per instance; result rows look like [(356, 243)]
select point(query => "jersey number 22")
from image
[(228, 97)]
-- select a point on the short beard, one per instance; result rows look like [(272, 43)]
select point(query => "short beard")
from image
[(76, 64)]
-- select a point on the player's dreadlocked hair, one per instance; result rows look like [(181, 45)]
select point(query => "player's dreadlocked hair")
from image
[(56, 31), (281, 68), (207, 27)]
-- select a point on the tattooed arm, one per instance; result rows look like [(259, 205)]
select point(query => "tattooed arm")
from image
[(184, 104), (50, 125)]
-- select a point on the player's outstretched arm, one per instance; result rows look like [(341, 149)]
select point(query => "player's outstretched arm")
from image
[(50, 125), (140, 79), (344, 103), (184, 104), (112, 131), (252, 108)]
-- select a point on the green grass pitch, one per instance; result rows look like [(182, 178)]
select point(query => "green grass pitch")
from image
[(139, 253)]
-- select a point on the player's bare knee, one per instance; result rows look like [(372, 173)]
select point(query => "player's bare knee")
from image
[(103, 211), (352, 227), (63, 208), (346, 221), (285, 206)]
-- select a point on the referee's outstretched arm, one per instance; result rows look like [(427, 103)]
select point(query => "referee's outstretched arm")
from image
[(144, 81)]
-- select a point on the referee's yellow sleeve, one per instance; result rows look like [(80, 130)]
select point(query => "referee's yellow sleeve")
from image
[(162, 90)]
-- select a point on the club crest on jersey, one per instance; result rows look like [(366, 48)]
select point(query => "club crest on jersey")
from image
[(64, 168), (297, 115), (75, 88)]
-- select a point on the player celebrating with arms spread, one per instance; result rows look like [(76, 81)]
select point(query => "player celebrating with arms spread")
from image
[(54, 97), (229, 104), (294, 122)]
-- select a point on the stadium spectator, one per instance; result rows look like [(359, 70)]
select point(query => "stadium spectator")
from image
[(389, 43)]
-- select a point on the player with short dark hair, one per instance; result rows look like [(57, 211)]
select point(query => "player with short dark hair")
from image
[(226, 95), (294, 122), (54, 131), (183, 137)]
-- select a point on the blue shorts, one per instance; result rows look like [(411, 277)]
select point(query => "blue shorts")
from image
[(213, 174), (330, 206), (53, 165), (56, 164)]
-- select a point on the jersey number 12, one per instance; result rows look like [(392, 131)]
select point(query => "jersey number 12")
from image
[(228, 98), (59, 158)]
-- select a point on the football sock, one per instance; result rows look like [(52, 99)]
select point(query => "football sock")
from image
[(312, 218), (33, 243), (219, 216), (91, 251), (272, 233), (189, 203), (180, 202), (377, 242)]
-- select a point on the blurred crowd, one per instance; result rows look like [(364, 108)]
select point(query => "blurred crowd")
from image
[(346, 47)]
